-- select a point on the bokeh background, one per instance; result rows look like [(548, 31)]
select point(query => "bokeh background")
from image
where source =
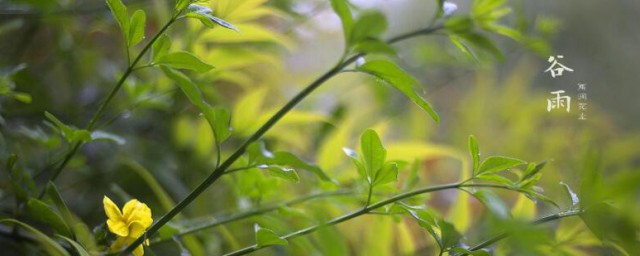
[(71, 54)]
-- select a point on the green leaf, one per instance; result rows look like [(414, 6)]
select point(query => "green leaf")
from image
[(21, 96), (341, 8), (483, 43), (79, 248), (373, 153), (66, 130), (459, 25), (450, 236), (161, 47), (398, 78), (496, 178), (289, 159), (54, 196), (492, 202), (425, 219), (137, 27), (354, 158), (532, 169), (184, 60), (287, 174), (266, 237), (498, 163), (189, 88), (209, 20), (119, 12), (474, 150), (462, 251), (182, 4), (457, 41), (573, 197), (374, 46), (388, 173), (44, 213), (221, 123), (102, 135), (368, 25), (48, 244)]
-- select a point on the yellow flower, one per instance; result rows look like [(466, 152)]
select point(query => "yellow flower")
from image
[(128, 224)]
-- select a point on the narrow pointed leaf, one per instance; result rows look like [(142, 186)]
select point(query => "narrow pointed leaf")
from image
[(184, 60), (48, 244), (398, 78), (373, 152), (119, 12), (137, 27), (341, 8), (498, 163), (266, 237)]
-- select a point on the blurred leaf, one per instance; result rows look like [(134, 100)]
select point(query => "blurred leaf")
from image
[(492, 202), (137, 29), (21, 96), (524, 208), (498, 163), (101, 135), (373, 153), (398, 78), (54, 196), (287, 174), (182, 4), (209, 20), (266, 237), (341, 8), (463, 251), (495, 177), (354, 158), (483, 43), (78, 247), (221, 123), (368, 25), (613, 225), (289, 159), (66, 130), (573, 197), (450, 237), (119, 12), (161, 47), (425, 219), (249, 105), (457, 41), (183, 60), (459, 25), (48, 244), (532, 169), (374, 46), (474, 150), (45, 214)]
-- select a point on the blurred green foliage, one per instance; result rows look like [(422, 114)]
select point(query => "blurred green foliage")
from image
[(227, 66)]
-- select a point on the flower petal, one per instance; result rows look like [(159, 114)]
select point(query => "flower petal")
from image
[(120, 243), (111, 209), (139, 251), (136, 229), (134, 210), (118, 227)]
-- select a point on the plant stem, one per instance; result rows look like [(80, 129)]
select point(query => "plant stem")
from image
[(255, 212), (220, 170), (545, 219), (352, 215), (100, 112)]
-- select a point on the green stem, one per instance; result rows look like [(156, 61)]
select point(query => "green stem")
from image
[(255, 212), (100, 112), (545, 219), (352, 215), (220, 170)]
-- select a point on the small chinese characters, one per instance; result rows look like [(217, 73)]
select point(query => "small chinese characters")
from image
[(582, 101)]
